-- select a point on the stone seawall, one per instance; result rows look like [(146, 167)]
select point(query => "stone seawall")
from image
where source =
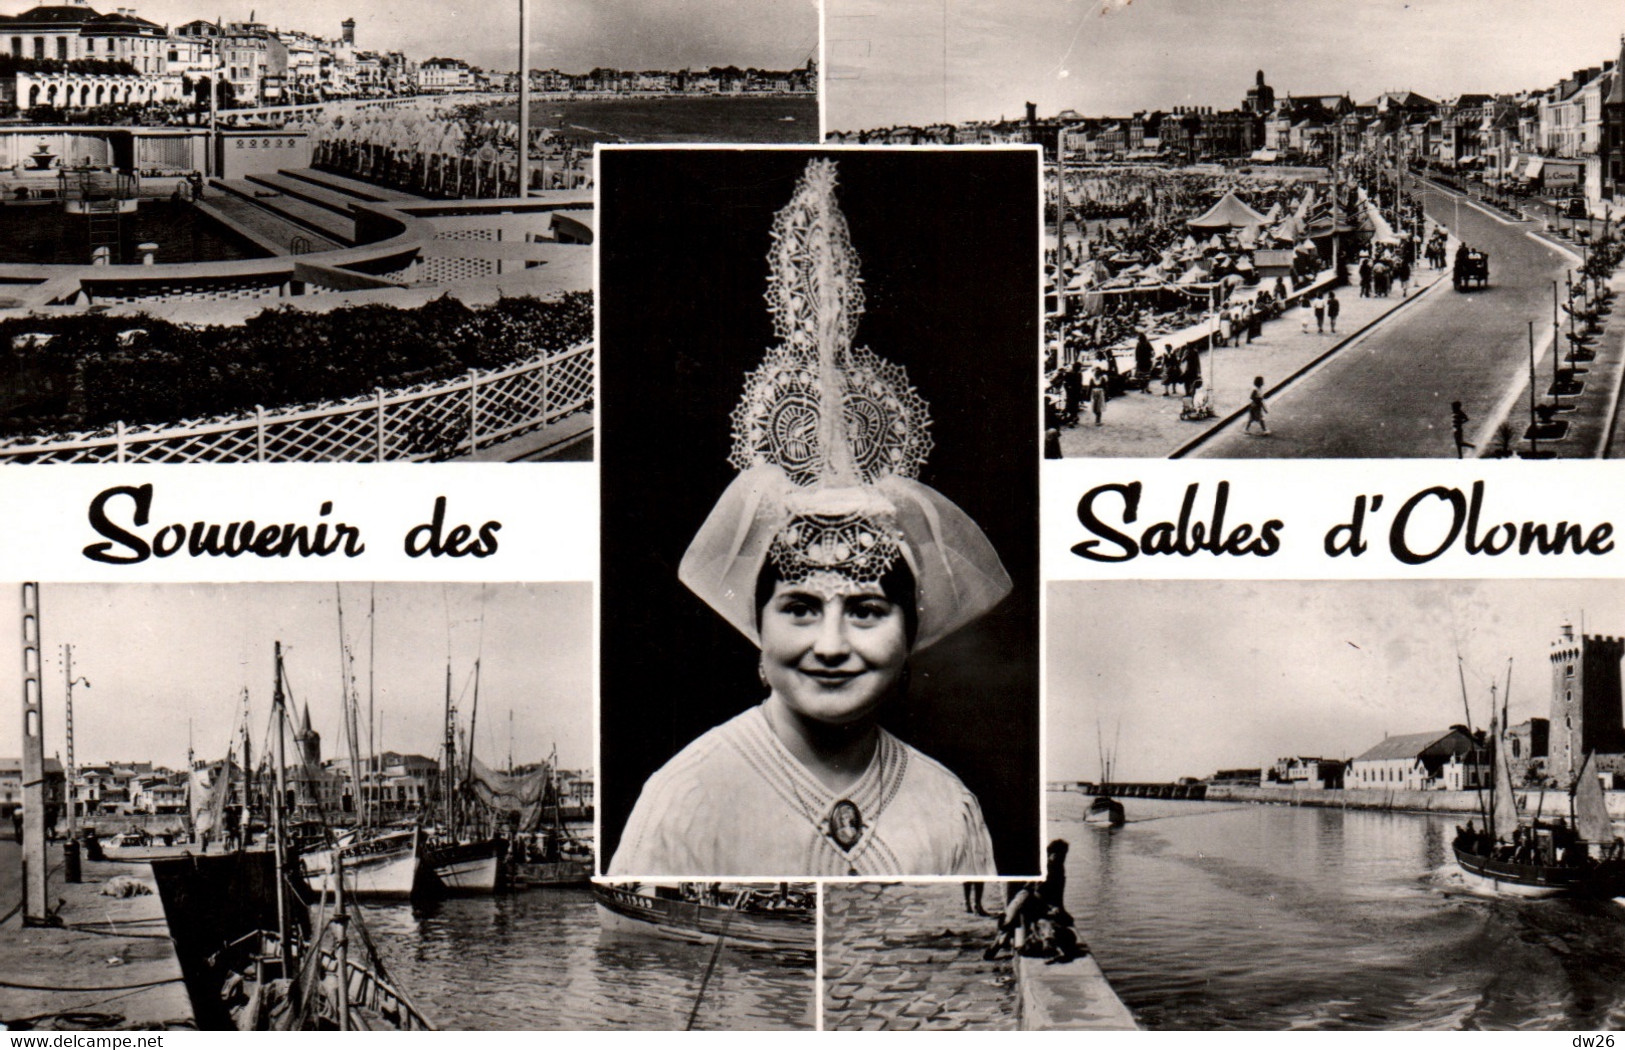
[(1399, 800)]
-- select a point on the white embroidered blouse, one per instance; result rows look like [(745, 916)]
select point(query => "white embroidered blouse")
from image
[(736, 802)]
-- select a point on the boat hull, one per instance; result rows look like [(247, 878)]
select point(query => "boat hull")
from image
[(467, 868), (383, 875), (1105, 813), (533, 874), (625, 911), (1537, 881)]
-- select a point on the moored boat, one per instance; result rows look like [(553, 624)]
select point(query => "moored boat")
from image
[(777, 919), (466, 867), (384, 866)]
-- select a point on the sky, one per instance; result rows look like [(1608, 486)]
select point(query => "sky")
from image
[(158, 656), (1204, 676), (574, 36), (886, 58)]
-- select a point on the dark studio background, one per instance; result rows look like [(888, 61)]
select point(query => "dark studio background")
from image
[(948, 248)]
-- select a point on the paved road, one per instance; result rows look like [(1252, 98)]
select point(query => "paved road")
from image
[(1388, 395)]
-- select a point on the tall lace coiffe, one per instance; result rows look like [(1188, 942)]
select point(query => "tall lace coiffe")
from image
[(829, 439)]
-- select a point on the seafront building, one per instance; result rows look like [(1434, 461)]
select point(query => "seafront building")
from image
[(1565, 138)]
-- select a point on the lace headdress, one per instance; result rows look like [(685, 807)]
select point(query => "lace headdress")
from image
[(829, 440)]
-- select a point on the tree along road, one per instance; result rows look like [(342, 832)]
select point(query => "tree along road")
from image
[(1388, 393)]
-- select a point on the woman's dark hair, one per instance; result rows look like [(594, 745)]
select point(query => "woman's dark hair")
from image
[(897, 585)]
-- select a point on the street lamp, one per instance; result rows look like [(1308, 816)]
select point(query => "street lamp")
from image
[(524, 98), (73, 807)]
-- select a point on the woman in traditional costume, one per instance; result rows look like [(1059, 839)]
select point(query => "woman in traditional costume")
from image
[(833, 560)]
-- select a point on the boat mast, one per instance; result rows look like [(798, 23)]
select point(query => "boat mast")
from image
[(347, 707), (191, 775), (372, 655), (279, 710), (1461, 676), (473, 718), (244, 820), (448, 769)]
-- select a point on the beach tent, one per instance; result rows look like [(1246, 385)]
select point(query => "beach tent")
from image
[(1231, 213)]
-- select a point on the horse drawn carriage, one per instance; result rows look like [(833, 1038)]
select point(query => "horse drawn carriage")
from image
[(1472, 269)]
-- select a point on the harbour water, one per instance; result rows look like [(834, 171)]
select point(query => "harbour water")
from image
[(536, 960), (1219, 915)]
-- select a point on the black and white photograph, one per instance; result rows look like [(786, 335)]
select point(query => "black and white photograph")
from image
[(1316, 805), (1286, 229), (236, 790), (299, 234), (819, 485)]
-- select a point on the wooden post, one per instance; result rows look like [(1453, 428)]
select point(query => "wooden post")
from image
[(36, 894), (473, 412), (118, 441), (259, 433)]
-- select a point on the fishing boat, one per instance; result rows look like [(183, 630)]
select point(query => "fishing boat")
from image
[(466, 867), (385, 865), (464, 859), (1105, 811), (551, 857), (1544, 859), (776, 918), (261, 951), (1507, 856)]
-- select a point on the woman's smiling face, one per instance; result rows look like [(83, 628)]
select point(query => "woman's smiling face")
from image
[(832, 650)]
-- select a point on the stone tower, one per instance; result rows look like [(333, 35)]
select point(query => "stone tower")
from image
[(1260, 97), (309, 742), (348, 25), (1588, 708)]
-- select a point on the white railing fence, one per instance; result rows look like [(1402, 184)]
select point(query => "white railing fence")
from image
[(432, 421)]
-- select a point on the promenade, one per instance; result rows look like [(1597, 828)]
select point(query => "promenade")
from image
[(1148, 424)]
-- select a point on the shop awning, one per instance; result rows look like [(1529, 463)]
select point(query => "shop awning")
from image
[(1534, 168)]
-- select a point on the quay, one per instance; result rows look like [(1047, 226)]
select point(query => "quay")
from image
[(108, 963), (908, 956), (1195, 792), (1395, 800), (1072, 996)]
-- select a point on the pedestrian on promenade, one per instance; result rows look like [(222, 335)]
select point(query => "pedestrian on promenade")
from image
[(1142, 362), (1380, 278), (1365, 277), (1458, 425), (1072, 384), (1170, 369), (1333, 308), (1193, 369), (1052, 443), (1097, 392), (1255, 322), (1402, 274), (1319, 305), (1256, 409), (973, 898)]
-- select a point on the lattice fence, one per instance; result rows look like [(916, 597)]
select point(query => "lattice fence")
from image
[(429, 422)]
